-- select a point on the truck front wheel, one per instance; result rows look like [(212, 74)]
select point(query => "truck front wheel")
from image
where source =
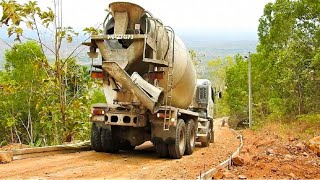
[(190, 137), (212, 131), (108, 142), (177, 149), (96, 138), (212, 136), (208, 139)]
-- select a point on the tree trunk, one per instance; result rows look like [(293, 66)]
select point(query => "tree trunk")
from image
[(12, 138), (300, 102), (30, 132)]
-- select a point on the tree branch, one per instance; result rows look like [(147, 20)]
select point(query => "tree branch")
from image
[(38, 33), (70, 56), (5, 42), (27, 38)]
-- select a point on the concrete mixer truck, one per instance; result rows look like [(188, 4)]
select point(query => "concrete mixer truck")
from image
[(150, 85)]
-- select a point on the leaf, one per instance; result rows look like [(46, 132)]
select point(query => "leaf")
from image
[(29, 24), (69, 39), (19, 31), (92, 31), (37, 9), (10, 32)]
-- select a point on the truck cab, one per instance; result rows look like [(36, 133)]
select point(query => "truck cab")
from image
[(203, 99), (203, 103)]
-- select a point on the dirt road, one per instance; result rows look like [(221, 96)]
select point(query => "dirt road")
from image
[(136, 164)]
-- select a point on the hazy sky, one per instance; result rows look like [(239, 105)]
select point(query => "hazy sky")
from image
[(229, 17)]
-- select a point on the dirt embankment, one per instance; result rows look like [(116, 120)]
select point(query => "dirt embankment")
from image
[(13, 146), (267, 155), (137, 164)]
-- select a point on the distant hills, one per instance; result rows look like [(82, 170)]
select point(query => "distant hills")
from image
[(206, 48)]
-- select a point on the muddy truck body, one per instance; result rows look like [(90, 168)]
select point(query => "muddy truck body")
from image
[(150, 85)]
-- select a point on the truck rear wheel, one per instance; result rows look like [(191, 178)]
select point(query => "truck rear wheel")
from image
[(177, 149), (190, 137), (96, 138), (108, 142), (162, 150)]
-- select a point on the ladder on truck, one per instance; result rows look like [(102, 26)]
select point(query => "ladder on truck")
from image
[(168, 100), (161, 63)]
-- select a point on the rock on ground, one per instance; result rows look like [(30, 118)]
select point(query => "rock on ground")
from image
[(314, 145), (238, 161), (218, 175), (6, 156)]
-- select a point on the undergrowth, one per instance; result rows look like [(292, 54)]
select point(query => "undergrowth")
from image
[(303, 127)]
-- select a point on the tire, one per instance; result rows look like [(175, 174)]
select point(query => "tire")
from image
[(177, 149), (208, 139), (212, 136), (96, 138), (190, 137), (212, 131), (162, 150), (108, 142), (127, 146)]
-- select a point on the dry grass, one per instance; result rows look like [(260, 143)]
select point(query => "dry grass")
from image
[(304, 127)]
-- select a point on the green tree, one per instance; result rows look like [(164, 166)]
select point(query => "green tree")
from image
[(22, 80), (29, 99), (285, 68), (217, 71), (17, 15), (237, 87), (288, 34), (64, 92)]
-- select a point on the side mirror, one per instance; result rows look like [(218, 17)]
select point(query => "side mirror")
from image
[(219, 94)]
